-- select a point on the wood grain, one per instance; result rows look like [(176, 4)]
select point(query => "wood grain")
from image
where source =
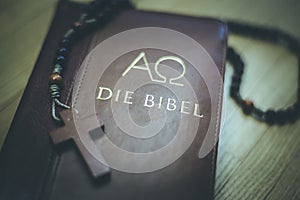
[(255, 161)]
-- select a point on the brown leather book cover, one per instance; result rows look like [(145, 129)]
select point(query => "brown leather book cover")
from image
[(153, 81)]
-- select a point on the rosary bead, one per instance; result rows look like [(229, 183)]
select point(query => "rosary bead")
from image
[(249, 102), (62, 51), (83, 16), (70, 34), (237, 58), (57, 69), (257, 113), (281, 117), (59, 60), (90, 22), (247, 110), (233, 92), (55, 79), (269, 116), (239, 70), (235, 87), (236, 79), (78, 26), (65, 43), (291, 114), (247, 107)]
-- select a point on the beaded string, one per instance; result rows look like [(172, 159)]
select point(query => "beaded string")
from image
[(97, 13), (281, 116)]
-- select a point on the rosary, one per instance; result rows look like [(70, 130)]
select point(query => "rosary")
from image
[(99, 12)]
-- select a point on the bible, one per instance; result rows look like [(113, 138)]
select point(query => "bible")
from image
[(145, 92)]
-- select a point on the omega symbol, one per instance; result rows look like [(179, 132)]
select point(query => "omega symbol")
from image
[(172, 80)]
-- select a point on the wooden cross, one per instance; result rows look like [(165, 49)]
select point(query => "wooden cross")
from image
[(69, 132)]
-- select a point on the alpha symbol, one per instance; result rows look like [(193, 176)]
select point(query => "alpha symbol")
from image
[(145, 67)]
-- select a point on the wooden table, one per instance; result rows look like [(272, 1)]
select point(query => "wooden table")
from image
[(255, 161)]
